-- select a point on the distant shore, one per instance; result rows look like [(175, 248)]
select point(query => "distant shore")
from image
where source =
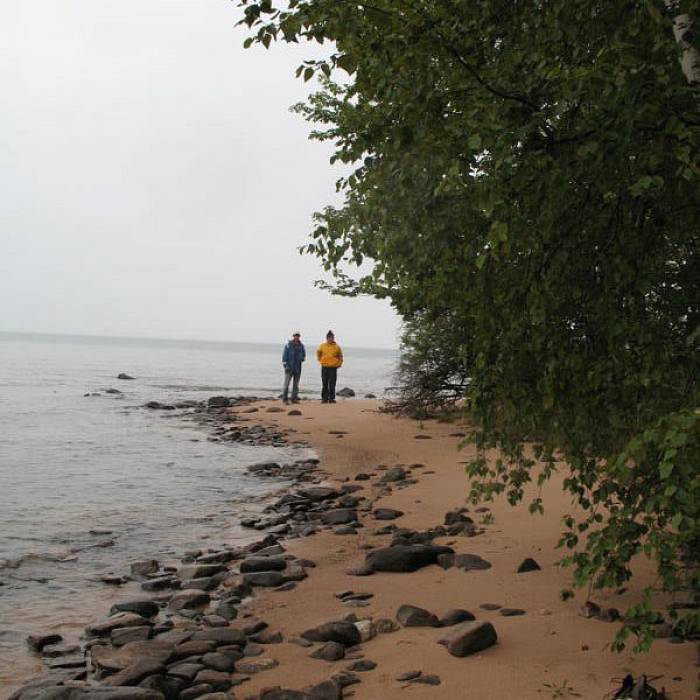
[(387, 479)]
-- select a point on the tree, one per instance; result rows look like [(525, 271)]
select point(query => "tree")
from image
[(530, 170)]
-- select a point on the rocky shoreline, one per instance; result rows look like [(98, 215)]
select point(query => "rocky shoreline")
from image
[(198, 631)]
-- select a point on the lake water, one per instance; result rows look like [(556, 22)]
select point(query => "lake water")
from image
[(70, 464)]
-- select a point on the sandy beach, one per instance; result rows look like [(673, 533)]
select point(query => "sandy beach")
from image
[(539, 654)]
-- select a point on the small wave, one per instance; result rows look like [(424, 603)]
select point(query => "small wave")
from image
[(34, 556)]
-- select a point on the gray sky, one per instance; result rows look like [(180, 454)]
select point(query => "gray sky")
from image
[(154, 182)]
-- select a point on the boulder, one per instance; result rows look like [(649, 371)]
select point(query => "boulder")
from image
[(454, 617), (188, 600), (528, 565), (143, 607), (404, 558), (143, 568), (386, 514), (38, 641), (330, 651), (345, 393), (264, 579), (108, 659), (469, 638), (169, 686), (339, 516), (218, 402), (124, 619), (219, 662), (136, 672), (255, 564), (192, 571), (221, 635), (124, 635)]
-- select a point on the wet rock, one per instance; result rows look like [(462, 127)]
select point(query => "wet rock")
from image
[(124, 375), (264, 579), (362, 665), (256, 665), (404, 558), (110, 659), (53, 651), (318, 493), (330, 651), (38, 641), (157, 405), (218, 402), (67, 662), (345, 392), (344, 633), (144, 568), (469, 638), (256, 564), (124, 619), (188, 600), (454, 617), (123, 635), (143, 607), (136, 672), (528, 565), (206, 583), (158, 584), (386, 514), (195, 571), (412, 616)]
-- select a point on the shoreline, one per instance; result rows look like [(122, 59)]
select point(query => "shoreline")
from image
[(549, 644)]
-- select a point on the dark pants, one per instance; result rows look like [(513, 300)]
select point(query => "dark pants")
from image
[(328, 379), (294, 378)]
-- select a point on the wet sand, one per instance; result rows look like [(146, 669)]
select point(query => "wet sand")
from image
[(550, 647)]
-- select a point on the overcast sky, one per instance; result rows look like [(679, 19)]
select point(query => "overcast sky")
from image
[(153, 182)]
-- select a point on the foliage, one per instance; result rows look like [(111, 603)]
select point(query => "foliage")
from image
[(529, 173)]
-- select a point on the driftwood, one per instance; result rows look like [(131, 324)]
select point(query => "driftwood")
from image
[(639, 689)]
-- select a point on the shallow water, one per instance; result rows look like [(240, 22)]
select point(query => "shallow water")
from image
[(147, 484)]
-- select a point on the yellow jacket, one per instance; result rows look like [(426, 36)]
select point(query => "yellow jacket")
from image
[(329, 355)]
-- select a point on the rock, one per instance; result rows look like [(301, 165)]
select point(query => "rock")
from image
[(53, 651), (206, 583), (408, 675), (386, 514), (385, 626), (215, 621), (124, 635), (90, 693), (278, 693), (196, 691), (339, 516), (136, 672), (590, 609), (370, 396), (328, 690), (256, 665), (218, 680), (344, 530), (38, 641), (363, 665), (511, 612), (274, 409), (404, 558), (227, 610), (471, 562), (112, 391), (267, 637), (422, 437), (158, 584), (344, 633), (169, 686), (157, 405), (345, 393), (252, 649), (187, 671), (188, 600), (366, 630), (218, 402), (195, 571), (469, 638), (428, 679), (265, 579), (412, 616), (454, 617), (294, 412), (108, 659), (194, 648), (143, 568), (143, 607), (124, 375), (301, 642), (490, 606), (330, 651), (394, 474), (256, 564), (221, 635), (528, 565), (254, 627), (124, 619)]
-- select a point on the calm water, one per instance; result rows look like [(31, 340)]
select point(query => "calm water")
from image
[(70, 464)]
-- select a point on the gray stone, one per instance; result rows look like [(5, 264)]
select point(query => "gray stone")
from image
[(196, 691), (219, 662), (113, 659), (221, 635), (386, 514), (264, 579), (339, 516), (188, 600), (191, 571), (194, 648), (528, 565), (136, 672), (143, 607), (218, 680), (363, 665), (257, 665), (124, 635), (454, 617), (119, 620), (143, 568), (186, 670), (404, 558), (158, 584), (256, 564), (469, 638), (38, 641)]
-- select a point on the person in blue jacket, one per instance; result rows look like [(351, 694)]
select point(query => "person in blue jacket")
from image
[(293, 355)]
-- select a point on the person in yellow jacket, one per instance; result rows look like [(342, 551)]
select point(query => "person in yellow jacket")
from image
[(330, 356)]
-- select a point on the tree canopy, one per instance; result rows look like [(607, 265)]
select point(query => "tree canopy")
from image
[(526, 178)]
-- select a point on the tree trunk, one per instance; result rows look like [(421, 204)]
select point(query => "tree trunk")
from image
[(683, 32)]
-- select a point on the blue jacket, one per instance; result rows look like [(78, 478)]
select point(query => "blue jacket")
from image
[(292, 356)]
